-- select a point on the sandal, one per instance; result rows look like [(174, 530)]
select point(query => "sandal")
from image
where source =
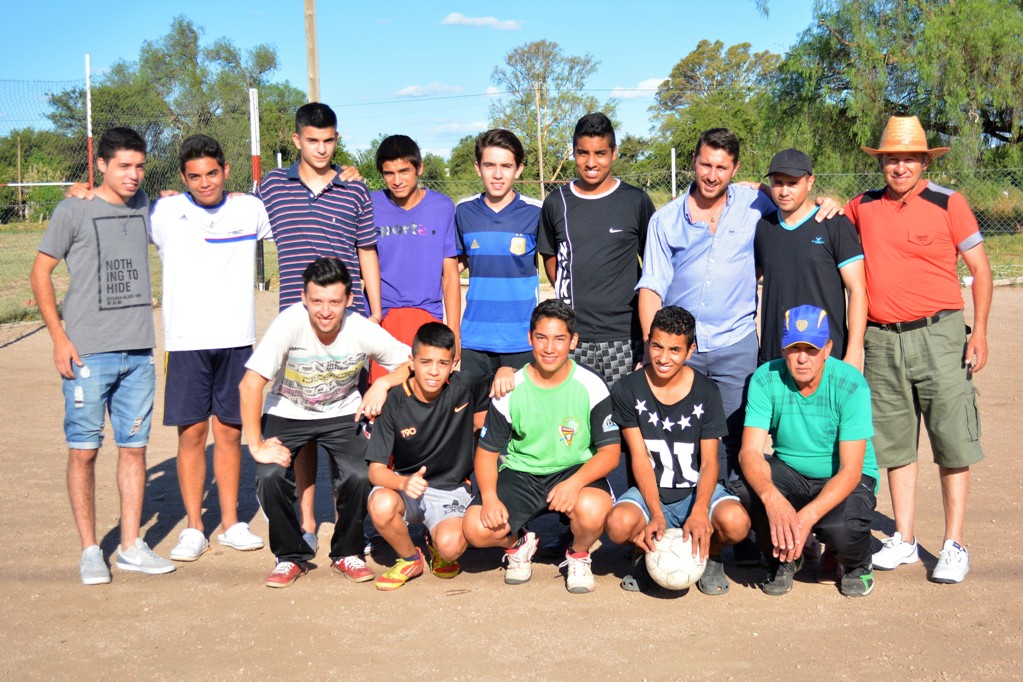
[(714, 582)]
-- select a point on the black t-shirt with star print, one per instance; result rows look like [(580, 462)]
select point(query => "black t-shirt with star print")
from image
[(672, 432)]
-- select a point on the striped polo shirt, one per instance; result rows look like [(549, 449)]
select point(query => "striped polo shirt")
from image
[(503, 283), (306, 226)]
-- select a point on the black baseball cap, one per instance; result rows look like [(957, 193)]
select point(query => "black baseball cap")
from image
[(791, 162)]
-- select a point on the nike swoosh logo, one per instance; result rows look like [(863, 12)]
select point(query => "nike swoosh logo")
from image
[(461, 407), (613, 230)]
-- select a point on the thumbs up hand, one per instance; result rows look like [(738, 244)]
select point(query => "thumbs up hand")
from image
[(415, 485)]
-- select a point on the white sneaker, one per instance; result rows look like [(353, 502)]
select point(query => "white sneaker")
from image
[(140, 558), (192, 544), (240, 537), (895, 552), (953, 564), (519, 559), (579, 576), (92, 568)]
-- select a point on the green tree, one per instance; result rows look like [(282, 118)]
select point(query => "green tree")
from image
[(45, 156), (365, 160), (956, 65), (462, 160), (435, 170), (715, 87), (544, 97), (180, 86)]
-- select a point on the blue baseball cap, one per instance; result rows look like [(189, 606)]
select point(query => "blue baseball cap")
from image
[(805, 324)]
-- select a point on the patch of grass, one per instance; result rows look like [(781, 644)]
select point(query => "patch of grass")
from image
[(19, 244), (1005, 252)]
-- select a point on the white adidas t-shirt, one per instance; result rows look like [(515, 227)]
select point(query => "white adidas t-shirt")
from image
[(314, 381), (209, 263)]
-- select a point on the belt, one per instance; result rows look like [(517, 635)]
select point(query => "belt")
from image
[(899, 327)]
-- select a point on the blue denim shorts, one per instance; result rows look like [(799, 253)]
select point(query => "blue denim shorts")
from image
[(123, 383), (675, 515)]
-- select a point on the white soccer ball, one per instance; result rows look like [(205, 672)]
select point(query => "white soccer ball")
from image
[(672, 564)]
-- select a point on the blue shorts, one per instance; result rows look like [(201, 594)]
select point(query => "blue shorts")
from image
[(675, 514), (201, 383), (123, 383)]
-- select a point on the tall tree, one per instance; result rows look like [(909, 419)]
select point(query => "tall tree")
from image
[(544, 97), (180, 86), (957, 65), (462, 160), (715, 87)]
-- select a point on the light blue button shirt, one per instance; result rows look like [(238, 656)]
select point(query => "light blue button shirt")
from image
[(713, 276)]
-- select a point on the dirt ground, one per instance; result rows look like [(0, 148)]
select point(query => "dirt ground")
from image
[(213, 619)]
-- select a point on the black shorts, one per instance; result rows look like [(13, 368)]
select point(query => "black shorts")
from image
[(525, 495), (201, 383), (482, 365)]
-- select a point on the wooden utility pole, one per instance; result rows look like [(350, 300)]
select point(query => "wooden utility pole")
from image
[(311, 51)]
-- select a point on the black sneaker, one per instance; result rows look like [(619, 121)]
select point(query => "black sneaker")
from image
[(858, 582), (779, 578)]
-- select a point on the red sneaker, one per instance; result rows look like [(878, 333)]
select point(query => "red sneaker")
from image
[(354, 568), (284, 574)]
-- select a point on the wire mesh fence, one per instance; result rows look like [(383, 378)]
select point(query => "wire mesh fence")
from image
[(43, 148)]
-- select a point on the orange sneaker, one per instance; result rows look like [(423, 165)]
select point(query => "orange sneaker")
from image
[(401, 572)]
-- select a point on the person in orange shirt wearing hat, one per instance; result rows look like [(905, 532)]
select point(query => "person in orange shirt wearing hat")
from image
[(919, 354)]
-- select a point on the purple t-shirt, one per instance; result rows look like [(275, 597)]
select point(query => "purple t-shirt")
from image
[(412, 246)]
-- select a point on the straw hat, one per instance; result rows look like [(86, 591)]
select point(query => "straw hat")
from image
[(904, 134)]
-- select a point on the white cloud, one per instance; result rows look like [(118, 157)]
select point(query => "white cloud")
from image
[(493, 91), (456, 19), (433, 88), (458, 127), (645, 88)]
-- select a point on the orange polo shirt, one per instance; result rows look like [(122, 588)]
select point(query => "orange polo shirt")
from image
[(910, 248)]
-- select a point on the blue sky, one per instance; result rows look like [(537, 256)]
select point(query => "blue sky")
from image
[(419, 68)]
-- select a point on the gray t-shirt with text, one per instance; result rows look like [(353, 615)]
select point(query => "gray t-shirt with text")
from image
[(109, 304)]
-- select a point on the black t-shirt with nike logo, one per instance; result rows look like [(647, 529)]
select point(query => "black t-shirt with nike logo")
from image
[(598, 241), (410, 434)]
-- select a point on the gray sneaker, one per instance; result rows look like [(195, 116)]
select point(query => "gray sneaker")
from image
[(92, 568), (780, 577), (140, 558)]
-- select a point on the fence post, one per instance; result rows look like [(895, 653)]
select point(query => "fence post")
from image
[(256, 177), (674, 176), (88, 117)]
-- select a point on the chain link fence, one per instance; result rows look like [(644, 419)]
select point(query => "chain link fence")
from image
[(38, 158)]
